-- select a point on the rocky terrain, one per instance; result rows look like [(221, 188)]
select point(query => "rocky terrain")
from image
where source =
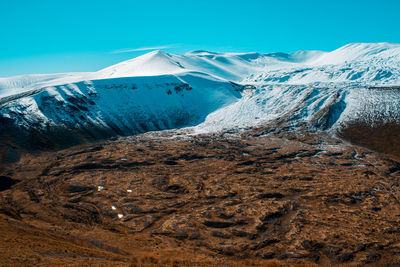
[(205, 159), (281, 199)]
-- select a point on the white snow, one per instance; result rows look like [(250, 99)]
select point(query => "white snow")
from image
[(127, 105), (24, 83), (372, 52), (139, 95)]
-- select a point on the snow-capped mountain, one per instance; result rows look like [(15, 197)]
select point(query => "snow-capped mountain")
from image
[(159, 91)]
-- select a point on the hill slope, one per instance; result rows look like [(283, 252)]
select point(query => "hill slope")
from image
[(89, 110), (323, 90)]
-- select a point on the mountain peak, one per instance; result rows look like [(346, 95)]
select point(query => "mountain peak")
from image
[(370, 62), (355, 52), (201, 52), (156, 62), (157, 53), (381, 44)]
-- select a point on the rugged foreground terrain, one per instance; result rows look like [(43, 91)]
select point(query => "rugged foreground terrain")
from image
[(240, 200)]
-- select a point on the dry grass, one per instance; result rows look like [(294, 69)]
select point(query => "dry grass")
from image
[(204, 201), (379, 136)]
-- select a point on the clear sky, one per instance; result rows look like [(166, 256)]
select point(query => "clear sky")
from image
[(49, 36)]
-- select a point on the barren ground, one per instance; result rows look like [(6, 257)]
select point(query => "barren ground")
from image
[(208, 200)]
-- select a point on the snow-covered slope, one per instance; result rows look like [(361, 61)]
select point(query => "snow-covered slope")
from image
[(382, 53), (20, 84), (90, 110), (362, 64), (319, 107), (226, 66), (159, 90)]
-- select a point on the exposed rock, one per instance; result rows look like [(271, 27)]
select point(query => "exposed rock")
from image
[(268, 255), (6, 182), (76, 187), (372, 256), (345, 257), (218, 224)]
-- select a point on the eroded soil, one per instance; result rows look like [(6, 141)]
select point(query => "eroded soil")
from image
[(204, 200)]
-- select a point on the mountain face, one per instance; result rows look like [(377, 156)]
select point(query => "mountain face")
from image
[(158, 90), (89, 110), (251, 172)]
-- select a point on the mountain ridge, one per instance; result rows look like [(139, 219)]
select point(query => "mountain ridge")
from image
[(212, 63), (146, 93)]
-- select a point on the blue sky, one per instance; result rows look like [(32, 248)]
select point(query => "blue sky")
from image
[(49, 36)]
